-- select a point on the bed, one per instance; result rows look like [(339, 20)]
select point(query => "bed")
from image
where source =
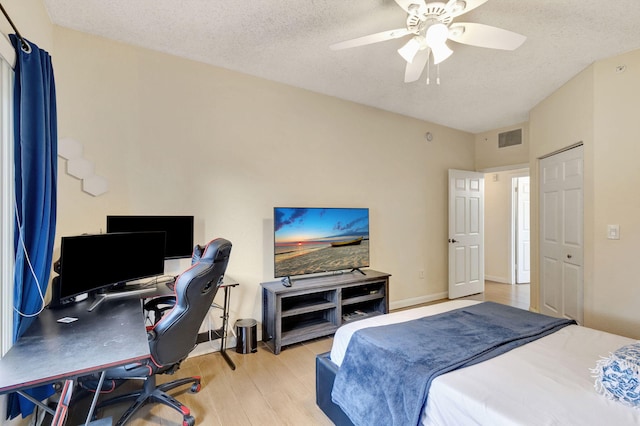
[(548, 381)]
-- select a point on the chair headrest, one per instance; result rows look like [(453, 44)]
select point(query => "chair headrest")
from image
[(197, 254), (216, 250)]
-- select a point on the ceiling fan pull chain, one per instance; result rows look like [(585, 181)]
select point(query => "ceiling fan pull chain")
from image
[(438, 74), (427, 72)]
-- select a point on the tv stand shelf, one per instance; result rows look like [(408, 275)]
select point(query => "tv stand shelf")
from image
[(317, 306)]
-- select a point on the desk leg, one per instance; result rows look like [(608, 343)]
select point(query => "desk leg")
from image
[(60, 417), (40, 404), (225, 319), (95, 398)]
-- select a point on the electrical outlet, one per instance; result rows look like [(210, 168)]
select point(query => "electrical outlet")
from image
[(613, 232), (421, 274)]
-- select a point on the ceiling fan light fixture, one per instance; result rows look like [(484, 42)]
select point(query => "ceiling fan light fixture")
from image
[(410, 49), (436, 38), (440, 53), (437, 34)]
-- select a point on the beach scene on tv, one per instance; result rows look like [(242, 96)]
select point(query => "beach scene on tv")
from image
[(313, 240)]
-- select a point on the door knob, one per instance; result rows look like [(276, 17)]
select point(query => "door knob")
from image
[(453, 240), (568, 256)]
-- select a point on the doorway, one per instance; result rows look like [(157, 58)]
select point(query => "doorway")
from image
[(521, 224), (506, 225)]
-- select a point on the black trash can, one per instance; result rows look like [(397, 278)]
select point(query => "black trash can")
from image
[(246, 336)]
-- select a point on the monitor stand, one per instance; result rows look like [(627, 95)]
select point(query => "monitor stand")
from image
[(133, 290)]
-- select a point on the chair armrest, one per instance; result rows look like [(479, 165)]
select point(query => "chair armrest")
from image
[(159, 305), (161, 300)]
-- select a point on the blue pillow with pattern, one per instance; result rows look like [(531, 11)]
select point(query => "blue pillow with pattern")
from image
[(618, 376)]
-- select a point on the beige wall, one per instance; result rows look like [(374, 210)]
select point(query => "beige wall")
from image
[(174, 136), (498, 224), (598, 107), (503, 163), (497, 227), (31, 19), (489, 156), (613, 303)]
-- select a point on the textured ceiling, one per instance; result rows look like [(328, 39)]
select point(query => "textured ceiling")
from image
[(288, 41)]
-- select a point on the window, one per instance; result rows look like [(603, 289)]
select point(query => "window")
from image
[(6, 204)]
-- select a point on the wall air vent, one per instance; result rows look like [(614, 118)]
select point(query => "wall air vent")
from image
[(510, 138)]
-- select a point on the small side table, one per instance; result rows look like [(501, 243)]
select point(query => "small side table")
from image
[(221, 333)]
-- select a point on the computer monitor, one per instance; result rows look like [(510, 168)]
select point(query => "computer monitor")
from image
[(92, 262), (179, 231)]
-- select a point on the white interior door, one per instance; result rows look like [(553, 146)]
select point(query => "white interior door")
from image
[(523, 231), (466, 233), (561, 234)]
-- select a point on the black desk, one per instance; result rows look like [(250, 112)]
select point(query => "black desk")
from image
[(112, 335)]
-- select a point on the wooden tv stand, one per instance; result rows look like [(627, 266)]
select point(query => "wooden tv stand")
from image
[(317, 306)]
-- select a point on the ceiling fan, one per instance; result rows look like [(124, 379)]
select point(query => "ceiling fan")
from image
[(431, 24)]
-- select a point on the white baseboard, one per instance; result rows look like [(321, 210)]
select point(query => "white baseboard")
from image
[(399, 304), (497, 279), (212, 346)]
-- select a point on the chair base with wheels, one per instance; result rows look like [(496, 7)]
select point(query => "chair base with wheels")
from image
[(151, 392)]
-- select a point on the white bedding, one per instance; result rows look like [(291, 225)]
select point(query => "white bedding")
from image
[(546, 382)]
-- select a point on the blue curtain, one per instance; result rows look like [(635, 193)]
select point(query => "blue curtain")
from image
[(36, 151)]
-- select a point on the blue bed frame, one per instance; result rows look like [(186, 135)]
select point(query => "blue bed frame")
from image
[(325, 375)]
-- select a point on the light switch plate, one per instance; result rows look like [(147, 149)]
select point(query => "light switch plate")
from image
[(613, 232)]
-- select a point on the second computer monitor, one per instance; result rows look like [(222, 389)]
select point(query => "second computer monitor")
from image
[(178, 229)]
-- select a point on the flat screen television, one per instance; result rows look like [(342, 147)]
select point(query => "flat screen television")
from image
[(315, 240), (179, 231), (92, 262)]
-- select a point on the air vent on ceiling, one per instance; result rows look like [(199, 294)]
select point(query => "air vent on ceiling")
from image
[(510, 138)]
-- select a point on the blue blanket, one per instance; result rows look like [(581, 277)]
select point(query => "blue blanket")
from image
[(387, 371)]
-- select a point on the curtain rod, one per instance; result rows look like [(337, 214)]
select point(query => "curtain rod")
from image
[(24, 44)]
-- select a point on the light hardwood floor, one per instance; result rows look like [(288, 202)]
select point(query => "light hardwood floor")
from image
[(268, 389)]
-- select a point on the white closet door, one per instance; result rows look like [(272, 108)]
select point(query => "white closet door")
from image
[(561, 234)]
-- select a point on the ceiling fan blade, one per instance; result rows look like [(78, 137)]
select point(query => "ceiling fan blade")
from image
[(414, 69), (405, 4), (457, 8), (370, 39), (485, 36)]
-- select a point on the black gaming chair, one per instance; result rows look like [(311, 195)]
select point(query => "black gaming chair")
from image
[(174, 334)]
